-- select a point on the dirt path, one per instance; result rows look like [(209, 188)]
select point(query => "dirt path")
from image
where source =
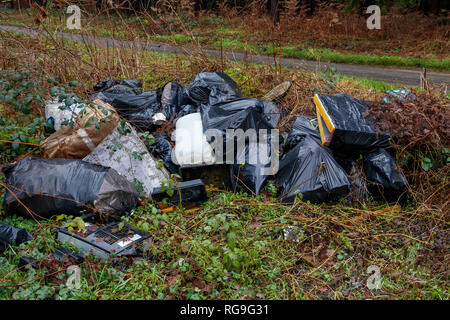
[(393, 75)]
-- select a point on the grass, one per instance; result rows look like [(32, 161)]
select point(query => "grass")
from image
[(233, 247), (217, 36)]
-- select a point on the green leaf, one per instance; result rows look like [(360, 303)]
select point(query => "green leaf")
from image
[(170, 192), (231, 236), (427, 164)]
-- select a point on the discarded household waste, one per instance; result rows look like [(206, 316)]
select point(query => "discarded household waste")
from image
[(10, 235), (46, 187), (124, 151), (343, 126), (309, 169), (385, 179), (319, 153), (86, 134), (103, 239), (191, 146)]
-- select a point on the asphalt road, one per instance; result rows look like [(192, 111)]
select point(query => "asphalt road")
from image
[(394, 75)]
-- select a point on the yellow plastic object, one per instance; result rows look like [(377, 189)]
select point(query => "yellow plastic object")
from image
[(326, 126)]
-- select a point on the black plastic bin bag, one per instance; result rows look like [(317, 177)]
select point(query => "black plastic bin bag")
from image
[(385, 179), (311, 170), (343, 126), (243, 113), (175, 94), (110, 89), (200, 88), (138, 109), (162, 149), (10, 235), (62, 186), (302, 127)]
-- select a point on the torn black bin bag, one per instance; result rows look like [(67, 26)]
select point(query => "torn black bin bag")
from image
[(200, 88), (311, 170), (10, 235), (162, 149), (302, 127), (110, 89), (138, 109), (343, 125), (175, 94), (62, 186), (385, 179)]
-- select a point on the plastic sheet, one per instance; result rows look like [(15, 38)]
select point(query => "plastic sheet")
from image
[(249, 176), (10, 235), (110, 89), (385, 178), (243, 113), (111, 84), (62, 186), (124, 151), (311, 170)]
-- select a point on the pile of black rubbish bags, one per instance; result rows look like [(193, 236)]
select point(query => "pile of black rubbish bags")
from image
[(104, 162)]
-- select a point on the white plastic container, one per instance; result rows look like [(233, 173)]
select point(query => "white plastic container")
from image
[(191, 146)]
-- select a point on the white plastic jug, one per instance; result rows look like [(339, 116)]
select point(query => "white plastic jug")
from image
[(191, 146)]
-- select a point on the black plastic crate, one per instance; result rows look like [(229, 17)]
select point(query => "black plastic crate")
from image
[(191, 192), (217, 175)]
